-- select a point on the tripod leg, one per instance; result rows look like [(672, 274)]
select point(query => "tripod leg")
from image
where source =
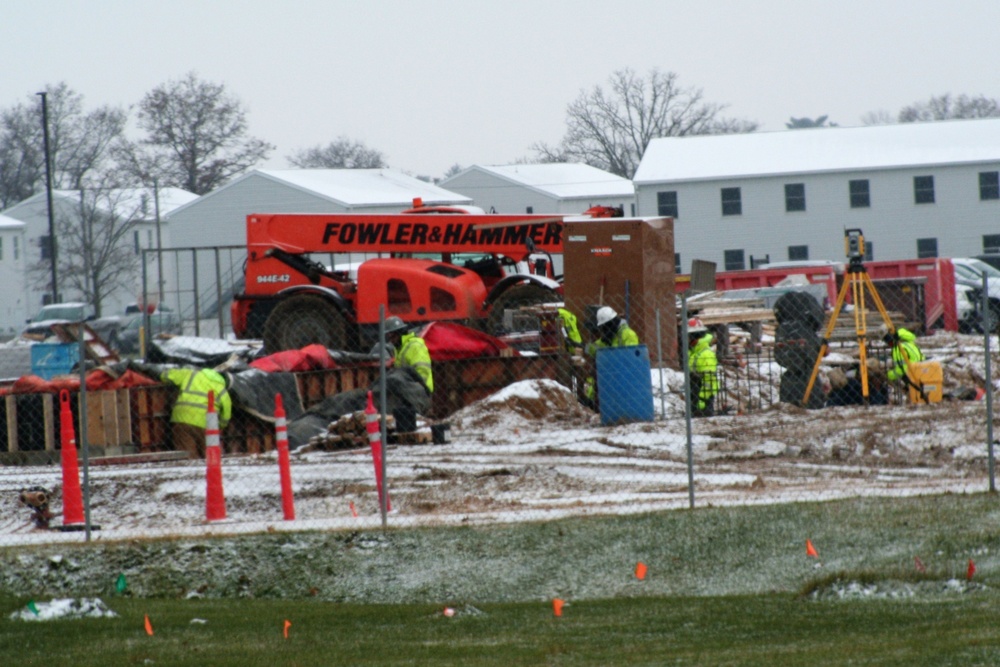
[(826, 342)]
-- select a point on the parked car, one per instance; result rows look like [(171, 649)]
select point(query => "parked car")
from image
[(969, 271), (39, 327), (967, 307), (161, 323)]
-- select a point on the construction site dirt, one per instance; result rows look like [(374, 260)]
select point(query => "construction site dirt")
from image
[(531, 452)]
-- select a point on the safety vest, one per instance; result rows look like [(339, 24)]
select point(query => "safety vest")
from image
[(570, 331), (192, 401), (413, 352), (903, 352), (703, 363), (625, 336)]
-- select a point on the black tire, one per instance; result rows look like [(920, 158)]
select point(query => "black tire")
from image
[(516, 297), (304, 320)]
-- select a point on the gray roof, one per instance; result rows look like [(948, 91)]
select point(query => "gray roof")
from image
[(562, 180), (365, 187), (715, 157)]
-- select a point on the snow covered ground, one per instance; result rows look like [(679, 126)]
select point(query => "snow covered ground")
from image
[(531, 452)]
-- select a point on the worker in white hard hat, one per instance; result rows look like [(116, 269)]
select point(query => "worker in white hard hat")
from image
[(703, 367), (612, 331)]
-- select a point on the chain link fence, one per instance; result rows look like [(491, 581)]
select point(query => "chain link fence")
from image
[(543, 411)]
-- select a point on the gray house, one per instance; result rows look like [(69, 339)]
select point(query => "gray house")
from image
[(137, 207), (915, 190), (542, 188)]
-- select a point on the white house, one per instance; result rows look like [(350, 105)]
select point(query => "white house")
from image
[(137, 205), (13, 298), (542, 188), (207, 278), (915, 190)]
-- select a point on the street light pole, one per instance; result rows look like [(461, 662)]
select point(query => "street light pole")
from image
[(48, 194), (159, 240)]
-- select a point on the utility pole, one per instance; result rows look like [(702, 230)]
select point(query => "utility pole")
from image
[(48, 194), (159, 240)]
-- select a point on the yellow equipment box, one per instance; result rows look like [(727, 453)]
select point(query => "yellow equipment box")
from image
[(929, 376)]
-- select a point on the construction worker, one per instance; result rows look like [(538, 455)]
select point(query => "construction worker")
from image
[(571, 333), (189, 415), (412, 358), (904, 351), (703, 368), (612, 331)]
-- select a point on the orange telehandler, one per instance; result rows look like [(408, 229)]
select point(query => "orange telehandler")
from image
[(425, 264)]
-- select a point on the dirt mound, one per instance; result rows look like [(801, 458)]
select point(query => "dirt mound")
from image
[(524, 403)]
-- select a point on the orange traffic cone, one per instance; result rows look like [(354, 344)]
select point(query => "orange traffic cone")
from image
[(215, 499), (284, 462), (375, 440), (72, 495)]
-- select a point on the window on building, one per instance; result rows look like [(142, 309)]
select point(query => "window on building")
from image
[(860, 195), (666, 203), (926, 248), (632, 209), (530, 209), (732, 202), (869, 251), (17, 248), (923, 189), (991, 243), (677, 263), (734, 260), (798, 253), (795, 197), (135, 242), (759, 261), (1, 248), (989, 185), (45, 247)]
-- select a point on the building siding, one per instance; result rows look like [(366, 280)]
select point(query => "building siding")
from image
[(893, 223)]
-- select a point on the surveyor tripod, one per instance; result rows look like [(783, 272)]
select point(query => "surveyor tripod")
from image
[(857, 281)]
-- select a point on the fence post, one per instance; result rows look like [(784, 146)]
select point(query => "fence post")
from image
[(687, 397), (988, 324)]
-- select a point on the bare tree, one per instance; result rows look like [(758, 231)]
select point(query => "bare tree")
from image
[(806, 123), (611, 129), (79, 142), (342, 153), (880, 117), (453, 170), (946, 107), (96, 253), (198, 133)]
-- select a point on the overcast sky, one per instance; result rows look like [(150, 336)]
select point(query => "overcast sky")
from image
[(431, 83)]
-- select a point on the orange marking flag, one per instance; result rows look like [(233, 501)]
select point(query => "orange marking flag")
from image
[(640, 570), (811, 550), (288, 624), (919, 564), (149, 626), (971, 571), (557, 606)]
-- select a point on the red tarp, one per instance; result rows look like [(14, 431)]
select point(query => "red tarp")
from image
[(310, 358), (97, 380), (447, 340)]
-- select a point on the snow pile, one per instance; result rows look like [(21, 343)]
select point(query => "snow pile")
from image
[(63, 608)]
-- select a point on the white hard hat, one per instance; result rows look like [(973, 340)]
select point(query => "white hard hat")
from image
[(696, 326), (605, 314)]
